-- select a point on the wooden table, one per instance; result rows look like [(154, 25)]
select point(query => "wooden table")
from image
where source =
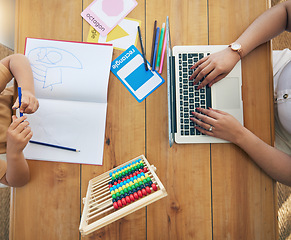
[(215, 191)]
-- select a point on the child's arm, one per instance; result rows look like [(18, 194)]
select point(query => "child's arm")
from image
[(18, 135), (19, 67)]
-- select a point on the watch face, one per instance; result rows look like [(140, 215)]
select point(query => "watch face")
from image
[(235, 46)]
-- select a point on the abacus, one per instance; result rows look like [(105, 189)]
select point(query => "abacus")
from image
[(119, 192)]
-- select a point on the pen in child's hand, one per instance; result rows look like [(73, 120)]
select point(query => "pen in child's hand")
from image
[(19, 100)]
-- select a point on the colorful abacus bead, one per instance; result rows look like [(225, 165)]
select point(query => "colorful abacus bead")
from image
[(144, 192), (119, 203), (129, 183), (115, 205), (148, 189), (123, 201), (154, 186), (127, 198)]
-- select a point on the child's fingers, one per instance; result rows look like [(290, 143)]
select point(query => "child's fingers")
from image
[(28, 136), (35, 106), (29, 105), (25, 131), (21, 127), (24, 104), (16, 104), (14, 118), (16, 121)]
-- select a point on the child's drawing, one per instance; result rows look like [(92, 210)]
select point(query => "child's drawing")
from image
[(47, 64)]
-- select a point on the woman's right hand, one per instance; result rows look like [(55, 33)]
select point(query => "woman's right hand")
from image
[(214, 67)]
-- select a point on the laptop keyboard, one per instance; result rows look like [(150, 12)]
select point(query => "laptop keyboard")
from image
[(189, 96)]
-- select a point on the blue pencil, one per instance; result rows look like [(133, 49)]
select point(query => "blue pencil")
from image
[(54, 146), (19, 100), (155, 49)]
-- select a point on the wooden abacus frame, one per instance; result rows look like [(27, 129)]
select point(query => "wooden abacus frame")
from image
[(98, 206)]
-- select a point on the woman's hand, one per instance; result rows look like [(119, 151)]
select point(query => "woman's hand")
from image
[(218, 124), (214, 67)]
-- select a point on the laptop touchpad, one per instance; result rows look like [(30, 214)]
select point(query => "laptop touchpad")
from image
[(227, 94)]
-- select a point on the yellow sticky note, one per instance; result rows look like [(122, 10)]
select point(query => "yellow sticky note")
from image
[(122, 36), (93, 35)]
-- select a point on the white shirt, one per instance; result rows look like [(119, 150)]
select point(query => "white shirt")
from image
[(282, 92)]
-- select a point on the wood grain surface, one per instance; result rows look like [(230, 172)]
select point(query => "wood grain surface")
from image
[(183, 169), (214, 190)]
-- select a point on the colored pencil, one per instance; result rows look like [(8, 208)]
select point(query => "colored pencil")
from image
[(155, 49), (163, 53), (160, 47), (153, 43), (142, 49), (19, 100), (54, 146)]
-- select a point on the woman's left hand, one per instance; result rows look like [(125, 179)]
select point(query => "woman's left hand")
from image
[(218, 124)]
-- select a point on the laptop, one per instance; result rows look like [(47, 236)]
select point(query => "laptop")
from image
[(184, 98)]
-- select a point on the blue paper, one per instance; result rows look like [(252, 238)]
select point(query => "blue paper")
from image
[(129, 68)]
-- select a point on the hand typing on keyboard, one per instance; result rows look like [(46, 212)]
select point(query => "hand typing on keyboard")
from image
[(214, 67), (218, 124)]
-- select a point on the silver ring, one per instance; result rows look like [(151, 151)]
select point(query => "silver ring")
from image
[(210, 129)]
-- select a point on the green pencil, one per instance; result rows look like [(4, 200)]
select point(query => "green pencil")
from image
[(160, 47)]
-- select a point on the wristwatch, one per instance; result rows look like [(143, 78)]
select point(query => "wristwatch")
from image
[(236, 47)]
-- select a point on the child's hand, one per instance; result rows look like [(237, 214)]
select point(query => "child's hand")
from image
[(29, 103), (18, 134)]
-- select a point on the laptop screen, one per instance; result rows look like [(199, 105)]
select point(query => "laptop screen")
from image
[(169, 84)]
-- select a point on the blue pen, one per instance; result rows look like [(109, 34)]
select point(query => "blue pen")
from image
[(54, 146), (19, 99), (156, 46)]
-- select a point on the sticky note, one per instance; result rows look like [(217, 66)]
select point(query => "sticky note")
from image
[(121, 37)]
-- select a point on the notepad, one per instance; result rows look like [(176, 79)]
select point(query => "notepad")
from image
[(129, 68), (71, 81)]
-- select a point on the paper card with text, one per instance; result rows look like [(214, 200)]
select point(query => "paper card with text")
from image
[(104, 15), (129, 68), (122, 36)]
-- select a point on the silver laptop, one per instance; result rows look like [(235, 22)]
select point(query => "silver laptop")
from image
[(184, 98)]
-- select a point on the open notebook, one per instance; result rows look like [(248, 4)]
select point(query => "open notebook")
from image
[(71, 81)]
